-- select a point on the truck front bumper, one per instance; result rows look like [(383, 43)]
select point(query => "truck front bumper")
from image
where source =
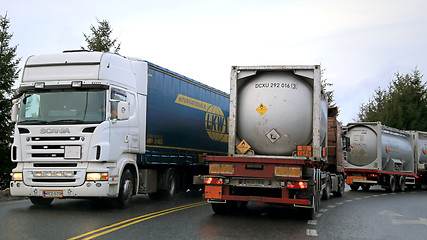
[(88, 189)]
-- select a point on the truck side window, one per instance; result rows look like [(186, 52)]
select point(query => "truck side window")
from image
[(116, 94)]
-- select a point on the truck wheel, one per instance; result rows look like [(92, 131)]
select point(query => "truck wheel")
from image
[(327, 190), (127, 184), (39, 201), (402, 184), (354, 187), (341, 187), (391, 185)]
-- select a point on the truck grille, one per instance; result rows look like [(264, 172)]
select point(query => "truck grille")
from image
[(57, 160), (54, 165), (54, 180), (43, 148), (71, 138)]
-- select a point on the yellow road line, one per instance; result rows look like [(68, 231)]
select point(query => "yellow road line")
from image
[(128, 222)]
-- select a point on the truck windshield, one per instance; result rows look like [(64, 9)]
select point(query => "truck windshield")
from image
[(62, 107)]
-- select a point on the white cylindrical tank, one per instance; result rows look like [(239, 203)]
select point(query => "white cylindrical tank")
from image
[(275, 112), (381, 148), (420, 142)]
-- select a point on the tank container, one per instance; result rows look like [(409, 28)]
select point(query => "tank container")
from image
[(375, 146), (420, 143), (274, 109)]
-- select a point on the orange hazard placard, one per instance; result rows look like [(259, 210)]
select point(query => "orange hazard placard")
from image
[(304, 151), (243, 147), (213, 192)]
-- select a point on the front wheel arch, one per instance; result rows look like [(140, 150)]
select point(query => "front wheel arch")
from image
[(133, 168)]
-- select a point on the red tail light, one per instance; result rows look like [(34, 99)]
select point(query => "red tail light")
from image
[(373, 175), (212, 180), (297, 185)]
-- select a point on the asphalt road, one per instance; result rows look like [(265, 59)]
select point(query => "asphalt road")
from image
[(358, 215)]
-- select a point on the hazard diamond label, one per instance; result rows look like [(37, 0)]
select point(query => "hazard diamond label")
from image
[(261, 109), (273, 135), (243, 147)]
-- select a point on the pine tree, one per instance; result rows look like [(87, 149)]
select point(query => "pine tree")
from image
[(100, 39), (329, 93), (8, 74), (403, 105)]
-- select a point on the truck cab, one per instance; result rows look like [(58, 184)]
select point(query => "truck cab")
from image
[(80, 119)]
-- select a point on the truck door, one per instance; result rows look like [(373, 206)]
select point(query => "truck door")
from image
[(119, 131)]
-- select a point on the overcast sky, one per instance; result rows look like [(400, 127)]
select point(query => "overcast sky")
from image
[(360, 44)]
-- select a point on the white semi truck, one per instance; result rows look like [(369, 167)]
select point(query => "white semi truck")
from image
[(99, 125)]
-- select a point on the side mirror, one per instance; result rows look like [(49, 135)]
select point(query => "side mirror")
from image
[(123, 111), (15, 109)]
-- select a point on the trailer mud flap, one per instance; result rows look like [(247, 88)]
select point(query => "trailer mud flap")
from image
[(306, 206)]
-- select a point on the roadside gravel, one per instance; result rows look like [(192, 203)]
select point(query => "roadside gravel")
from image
[(5, 196)]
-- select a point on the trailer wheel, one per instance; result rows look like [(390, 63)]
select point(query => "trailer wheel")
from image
[(229, 207), (341, 187), (327, 190), (391, 185), (39, 201), (310, 213), (127, 184), (220, 208), (171, 187), (402, 184), (366, 187), (354, 187)]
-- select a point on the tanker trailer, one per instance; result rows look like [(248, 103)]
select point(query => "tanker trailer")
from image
[(277, 148), (380, 155), (420, 153)]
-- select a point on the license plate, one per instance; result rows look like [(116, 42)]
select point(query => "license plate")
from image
[(253, 182), (52, 193)]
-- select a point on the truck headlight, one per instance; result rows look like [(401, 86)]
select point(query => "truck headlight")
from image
[(97, 176), (16, 176)]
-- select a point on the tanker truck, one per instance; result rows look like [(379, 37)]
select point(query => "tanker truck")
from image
[(102, 126), (278, 142), (379, 155), (420, 153)]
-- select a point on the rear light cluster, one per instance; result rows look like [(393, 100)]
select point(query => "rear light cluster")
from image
[(373, 175), (214, 180), (297, 185)]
